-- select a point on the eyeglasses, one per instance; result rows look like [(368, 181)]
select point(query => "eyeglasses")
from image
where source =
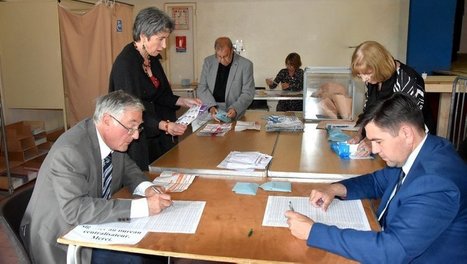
[(131, 131)]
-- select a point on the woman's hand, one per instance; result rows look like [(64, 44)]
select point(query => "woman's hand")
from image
[(188, 102)]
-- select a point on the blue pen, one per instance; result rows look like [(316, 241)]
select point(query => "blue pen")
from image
[(291, 206)]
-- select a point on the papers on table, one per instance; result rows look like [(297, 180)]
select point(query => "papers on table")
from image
[(105, 235), (215, 129), (243, 125), (250, 188), (283, 123), (174, 181), (181, 217), (343, 214), (237, 160), (190, 115)]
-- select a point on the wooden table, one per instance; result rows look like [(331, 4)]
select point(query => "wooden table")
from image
[(309, 155), (443, 86), (201, 155), (304, 155), (222, 234)]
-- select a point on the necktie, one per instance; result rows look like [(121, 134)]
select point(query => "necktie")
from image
[(382, 216), (107, 176)]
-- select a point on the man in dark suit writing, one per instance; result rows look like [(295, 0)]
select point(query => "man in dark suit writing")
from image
[(423, 191)]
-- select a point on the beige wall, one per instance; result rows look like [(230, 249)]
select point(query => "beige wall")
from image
[(321, 31)]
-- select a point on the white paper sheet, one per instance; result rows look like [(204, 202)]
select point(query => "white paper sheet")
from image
[(343, 214), (181, 217)]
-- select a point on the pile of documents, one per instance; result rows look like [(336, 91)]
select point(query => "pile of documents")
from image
[(215, 129), (283, 123), (174, 181), (237, 160), (243, 125)]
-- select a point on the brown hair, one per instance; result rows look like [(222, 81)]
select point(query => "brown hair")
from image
[(294, 60), (370, 56)]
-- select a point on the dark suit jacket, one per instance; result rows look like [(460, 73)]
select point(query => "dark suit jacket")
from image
[(426, 221), (68, 190), (240, 88)]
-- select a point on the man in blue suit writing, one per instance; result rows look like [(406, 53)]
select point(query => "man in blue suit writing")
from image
[(423, 191)]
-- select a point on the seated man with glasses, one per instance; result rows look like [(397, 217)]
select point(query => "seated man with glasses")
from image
[(84, 167)]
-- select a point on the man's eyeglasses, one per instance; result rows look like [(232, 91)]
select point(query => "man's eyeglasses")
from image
[(131, 131)]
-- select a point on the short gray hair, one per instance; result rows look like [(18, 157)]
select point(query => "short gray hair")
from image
[(151, 21), (115, 103)]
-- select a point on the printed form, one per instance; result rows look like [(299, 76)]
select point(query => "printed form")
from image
[(181, 217), (343, 214)]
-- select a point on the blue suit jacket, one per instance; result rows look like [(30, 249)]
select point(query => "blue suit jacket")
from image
[(426, 221), (240, 88)]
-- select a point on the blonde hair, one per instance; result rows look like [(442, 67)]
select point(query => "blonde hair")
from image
[(370, 56)]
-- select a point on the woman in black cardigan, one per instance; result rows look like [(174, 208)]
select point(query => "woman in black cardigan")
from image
[(137, 70)]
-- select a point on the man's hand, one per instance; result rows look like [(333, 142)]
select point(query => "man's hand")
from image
[(158, 202), (299, 225), (213, 112), (321, 197), (231, 113)]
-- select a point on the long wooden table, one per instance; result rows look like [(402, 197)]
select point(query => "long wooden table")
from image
[(295, 155), (201, 155), (309, 155), (222, 234)]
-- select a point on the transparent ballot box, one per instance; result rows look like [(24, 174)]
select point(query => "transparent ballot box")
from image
[(328, 93)]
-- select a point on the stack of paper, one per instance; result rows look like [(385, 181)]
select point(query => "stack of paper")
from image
[(215, 129), (174, 181), (237, 160), (283, 123), (243, 125)]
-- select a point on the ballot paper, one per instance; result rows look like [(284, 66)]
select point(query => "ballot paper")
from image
[(174, 181), (181, 217), (248, 160), (343, 214), (243, 125), (215, 129), (190, 115)]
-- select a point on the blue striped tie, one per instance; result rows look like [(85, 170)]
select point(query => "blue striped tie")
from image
[(107, 176)]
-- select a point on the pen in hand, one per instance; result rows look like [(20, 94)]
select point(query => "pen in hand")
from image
[(291, 206), (156, 190)]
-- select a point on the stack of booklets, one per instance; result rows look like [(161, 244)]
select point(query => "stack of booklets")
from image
[(283, 123)]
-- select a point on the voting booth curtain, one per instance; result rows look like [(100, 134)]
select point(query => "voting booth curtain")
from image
[(90, 43)]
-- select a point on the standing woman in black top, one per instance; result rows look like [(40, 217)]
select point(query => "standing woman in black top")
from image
[(138, 71), (384, 76)]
